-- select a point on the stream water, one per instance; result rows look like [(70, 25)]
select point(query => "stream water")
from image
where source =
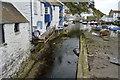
[(65, 60)]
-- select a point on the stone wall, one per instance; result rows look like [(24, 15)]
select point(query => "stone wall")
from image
[(16, 51)]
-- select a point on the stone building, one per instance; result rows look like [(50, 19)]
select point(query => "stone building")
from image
[(14, 39)]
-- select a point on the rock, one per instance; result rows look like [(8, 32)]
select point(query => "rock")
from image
[(69, 62), (76, 51), (115, 61)]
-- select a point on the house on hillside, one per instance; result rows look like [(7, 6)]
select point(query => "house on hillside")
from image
[(85, 15), (114, 14), (14, 40), (107, 18)]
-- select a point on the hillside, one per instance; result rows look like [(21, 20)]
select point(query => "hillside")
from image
[(83, 7)]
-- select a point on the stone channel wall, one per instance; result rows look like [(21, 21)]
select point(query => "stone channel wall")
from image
[(82, 71)]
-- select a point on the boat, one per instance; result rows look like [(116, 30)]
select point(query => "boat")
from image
[(66, 23)]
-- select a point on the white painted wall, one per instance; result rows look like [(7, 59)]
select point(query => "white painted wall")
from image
[(24, 7), (16, 51), (55, 19), (119, 5), (115, 16), (107, 19), (85, 15), (39, 16)]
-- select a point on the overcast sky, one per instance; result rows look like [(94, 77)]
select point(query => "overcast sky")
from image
[(106, 5)]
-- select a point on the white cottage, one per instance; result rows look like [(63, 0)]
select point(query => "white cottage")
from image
[(54, 14), (107, 18), (14, 40), (114, 14), (33, 10)]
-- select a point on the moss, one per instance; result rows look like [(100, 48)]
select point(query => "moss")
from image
[(83, 71), (88, 35), (34, 70)]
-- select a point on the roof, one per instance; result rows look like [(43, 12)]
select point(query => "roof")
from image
[(9, 14), (54, 2), (115, 11)]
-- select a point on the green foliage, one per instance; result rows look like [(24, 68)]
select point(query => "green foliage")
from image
[(77, 8), (91, 17), (82, 7), (98, 13)]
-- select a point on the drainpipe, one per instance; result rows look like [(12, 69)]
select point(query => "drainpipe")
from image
[(31, 16)]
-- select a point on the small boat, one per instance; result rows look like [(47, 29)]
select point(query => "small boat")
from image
[(104, 32), (96, 28), (66, 23), (84, 22), (113, 27), (76, 51)]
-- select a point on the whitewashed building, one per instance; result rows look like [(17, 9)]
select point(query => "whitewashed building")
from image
[(107, 18), (85, 15), (33, 10), (14, 40), (57, 14), (42, 14), (119, 5), (114, 14), (54, 14)]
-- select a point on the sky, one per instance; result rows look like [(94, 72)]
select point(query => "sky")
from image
[(106, 5)]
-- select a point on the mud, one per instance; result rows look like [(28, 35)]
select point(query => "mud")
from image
[(100, 51)]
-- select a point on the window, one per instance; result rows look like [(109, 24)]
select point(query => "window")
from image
[(46, 10), (16, 27), (2, 37)]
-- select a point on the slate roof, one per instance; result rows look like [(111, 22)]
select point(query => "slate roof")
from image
[(9, 14)]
